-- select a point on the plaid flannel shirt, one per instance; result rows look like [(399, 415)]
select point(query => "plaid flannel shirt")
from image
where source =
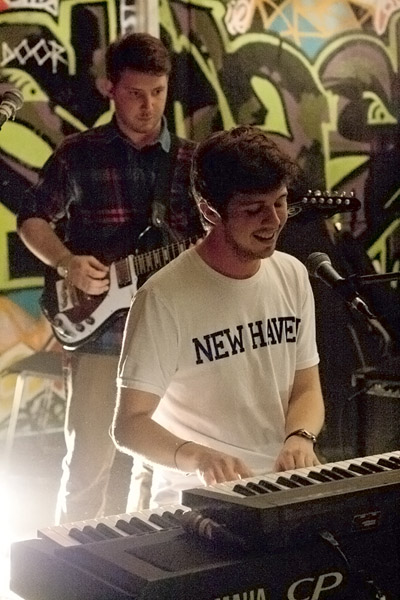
[(97, 190)]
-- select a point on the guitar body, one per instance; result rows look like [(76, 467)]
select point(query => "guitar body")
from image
[(76, 317)]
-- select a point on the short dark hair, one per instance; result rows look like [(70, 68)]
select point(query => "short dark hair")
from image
[(241, 160), (139, 52)]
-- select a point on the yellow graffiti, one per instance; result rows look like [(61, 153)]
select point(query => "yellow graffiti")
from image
[(379, 250), (378, 114), (21, 142), (269, 95)]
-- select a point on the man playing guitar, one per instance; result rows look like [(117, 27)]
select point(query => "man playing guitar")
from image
[(95, 197)]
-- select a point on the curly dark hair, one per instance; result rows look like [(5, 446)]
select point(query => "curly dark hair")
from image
[(241, 160), (139, 52)]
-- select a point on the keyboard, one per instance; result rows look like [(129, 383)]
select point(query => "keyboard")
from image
[(288, 521), (350, 495)]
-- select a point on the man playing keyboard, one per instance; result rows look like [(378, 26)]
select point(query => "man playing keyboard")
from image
[(218, 375)]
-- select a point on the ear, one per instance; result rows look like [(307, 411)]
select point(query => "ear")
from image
[(108, 89), (209, 213)]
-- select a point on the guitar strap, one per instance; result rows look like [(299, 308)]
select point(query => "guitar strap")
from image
[(162, 190)]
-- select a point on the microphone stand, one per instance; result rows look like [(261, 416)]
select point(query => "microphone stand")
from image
[(376, 278), (361, 280)]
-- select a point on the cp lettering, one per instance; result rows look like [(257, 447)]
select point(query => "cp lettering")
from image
[(314, 586)]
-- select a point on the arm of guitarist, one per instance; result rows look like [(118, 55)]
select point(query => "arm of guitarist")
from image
[(84, 272), (134, 432)]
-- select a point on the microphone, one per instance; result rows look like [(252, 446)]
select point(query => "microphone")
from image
[(319, 265), (11, 101)]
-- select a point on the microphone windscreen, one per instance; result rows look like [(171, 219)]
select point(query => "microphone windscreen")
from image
[(315, 260)]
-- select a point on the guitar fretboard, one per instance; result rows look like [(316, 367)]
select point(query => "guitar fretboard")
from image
[(153, 260)]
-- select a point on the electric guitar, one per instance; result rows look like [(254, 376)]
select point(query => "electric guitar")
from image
[(77, 317)]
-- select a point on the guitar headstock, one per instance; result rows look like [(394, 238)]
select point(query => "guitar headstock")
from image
[(327, 203)]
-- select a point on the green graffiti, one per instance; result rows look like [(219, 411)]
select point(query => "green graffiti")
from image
[(379, 251), (20, 141), (378, 114), (270, 97)]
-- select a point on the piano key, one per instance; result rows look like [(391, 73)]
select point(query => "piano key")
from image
[(80, 536), (173, 517), (395, 459), (110, 525), (93, 533), (332, 475), (257, 488), (362, 470), (107, 531), (319, 476), (244, 490), (374, 467), (126, 527), (385, 462), (269, 486), (286, 482), (163, 521), (345, 472), (301, 479)]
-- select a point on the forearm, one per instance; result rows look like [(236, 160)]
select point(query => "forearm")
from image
[(38, 235), (305, 411), (306, 406), (135, 432), (141, 435)]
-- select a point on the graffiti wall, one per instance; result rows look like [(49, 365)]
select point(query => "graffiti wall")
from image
[(321, 76)]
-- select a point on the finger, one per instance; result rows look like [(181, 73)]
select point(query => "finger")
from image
[(97, 265), (98, 275)]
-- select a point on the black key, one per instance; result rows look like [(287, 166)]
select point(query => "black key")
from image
[(257, 488), (287, 482), (173, 519), (269, 486), (243, 490), (374, 467), (318, 476), (359, 469), (332, 474), (346, 474), (300, 479), (108, 531), (142, 525), (79, 536), (161, 521), (395, 460), (387, 463), (95, 535), (128, 528)]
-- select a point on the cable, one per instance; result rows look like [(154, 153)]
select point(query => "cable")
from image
[(371, 586)]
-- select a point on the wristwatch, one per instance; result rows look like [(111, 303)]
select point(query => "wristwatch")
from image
[(303, 433)]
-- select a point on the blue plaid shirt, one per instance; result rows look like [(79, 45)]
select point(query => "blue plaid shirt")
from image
[(97, 191)]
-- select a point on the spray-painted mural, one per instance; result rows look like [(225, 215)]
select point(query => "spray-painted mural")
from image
[(322, 76)]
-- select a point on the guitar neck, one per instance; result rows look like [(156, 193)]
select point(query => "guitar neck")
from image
[(156, 259)]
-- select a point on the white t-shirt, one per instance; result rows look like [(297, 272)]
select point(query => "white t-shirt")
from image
[(222, 354)]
